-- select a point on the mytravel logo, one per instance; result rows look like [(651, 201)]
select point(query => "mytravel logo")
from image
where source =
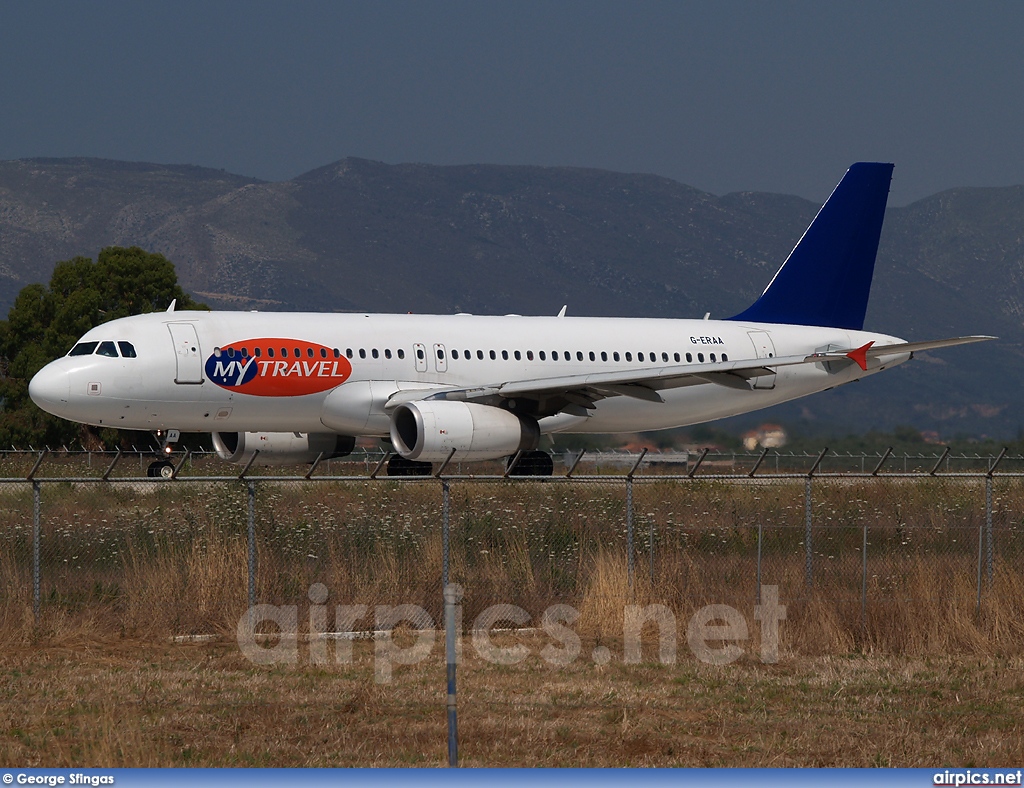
[(277, 367)]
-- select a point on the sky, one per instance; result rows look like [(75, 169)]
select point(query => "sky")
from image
[(723, 96)]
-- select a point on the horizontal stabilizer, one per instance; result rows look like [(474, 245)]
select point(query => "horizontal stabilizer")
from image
[(861, 354)]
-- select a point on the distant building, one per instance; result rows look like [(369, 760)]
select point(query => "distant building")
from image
[(767, 436)]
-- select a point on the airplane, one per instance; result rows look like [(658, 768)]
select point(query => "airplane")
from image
[(285, 388)]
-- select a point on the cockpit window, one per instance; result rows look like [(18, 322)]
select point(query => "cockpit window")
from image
[(127, 349), (83, 349), (107, 349)]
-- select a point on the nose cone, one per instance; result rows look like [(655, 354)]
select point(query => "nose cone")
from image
[(50, 389)]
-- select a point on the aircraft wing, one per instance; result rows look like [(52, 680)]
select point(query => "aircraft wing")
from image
[(578, 393)]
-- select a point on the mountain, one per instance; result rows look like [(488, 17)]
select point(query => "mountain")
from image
[(359, 235)]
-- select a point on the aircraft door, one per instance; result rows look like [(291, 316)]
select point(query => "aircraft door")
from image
[(763, 348), (440, 358), (420, 351), (187, 354)]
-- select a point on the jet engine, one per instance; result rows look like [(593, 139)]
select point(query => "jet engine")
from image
[(428, 431), (281, 448)]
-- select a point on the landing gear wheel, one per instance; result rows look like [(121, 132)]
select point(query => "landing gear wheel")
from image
[(533, 463), (399, 466), (161, 469)]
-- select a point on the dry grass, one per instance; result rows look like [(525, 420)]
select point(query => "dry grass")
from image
[(133, 703), (916, 678), (156, 561)]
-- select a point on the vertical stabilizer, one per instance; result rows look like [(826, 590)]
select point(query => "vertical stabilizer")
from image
[(826, 279)]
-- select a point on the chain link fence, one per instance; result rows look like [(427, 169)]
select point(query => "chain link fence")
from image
[(874, 555)]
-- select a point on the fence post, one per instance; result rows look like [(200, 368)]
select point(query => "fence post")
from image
[(252, 543), (35, 550), (981, 545), (452, 595), (808, 555), (629, 530), (988, 528), (864, 586), (446, 508), (759, 541), (651, 556)]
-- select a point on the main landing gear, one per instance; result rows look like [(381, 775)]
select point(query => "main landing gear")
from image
[(164, 468), (531, 463)]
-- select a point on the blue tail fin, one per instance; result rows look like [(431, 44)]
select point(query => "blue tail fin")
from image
[(826, 279)]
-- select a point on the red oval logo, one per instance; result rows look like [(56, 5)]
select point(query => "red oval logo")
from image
[(277, 367)]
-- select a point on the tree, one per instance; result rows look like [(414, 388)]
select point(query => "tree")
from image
[(45, 323)]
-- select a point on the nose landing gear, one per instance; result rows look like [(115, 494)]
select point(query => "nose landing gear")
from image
[(164, 468)]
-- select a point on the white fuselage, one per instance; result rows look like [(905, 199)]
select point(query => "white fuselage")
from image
[(336, 372)]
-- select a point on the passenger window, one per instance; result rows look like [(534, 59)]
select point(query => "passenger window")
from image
[(387, 352), (712, 356), (518, 355), (259, 352), (579, 355), (440, 354), (700, 357), (664, 357), (639, 357), (615, 356), (296, 352), (401, 353), (284, 352), (604, 355), (480, 355), (592, 356), (337, 353), (362, 353), (419, 354), (493, 355), (629, 356), (270, 352), (374, 353), (542, 356), (689, 358), (107, 349), (83, 349), (504, 355), (529, 355), (725, 357), (127, 349), (455, 354), (323, 352), (554, 355)]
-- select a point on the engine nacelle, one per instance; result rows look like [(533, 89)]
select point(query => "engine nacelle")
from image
[(281, 448), (428, 431)]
